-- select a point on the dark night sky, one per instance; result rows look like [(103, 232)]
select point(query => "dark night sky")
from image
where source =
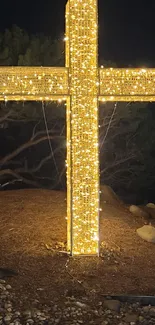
[(126, 27)]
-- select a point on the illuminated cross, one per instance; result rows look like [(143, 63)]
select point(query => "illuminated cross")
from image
[(82, 84)]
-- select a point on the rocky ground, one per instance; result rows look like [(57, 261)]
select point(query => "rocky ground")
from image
[(73, 312)]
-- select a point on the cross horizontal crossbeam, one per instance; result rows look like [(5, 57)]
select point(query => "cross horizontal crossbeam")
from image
[(127, 84), (51, 83), (33, 83)]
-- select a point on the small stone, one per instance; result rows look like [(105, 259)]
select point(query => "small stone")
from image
[(30, 321), (151, 205), (7, 305), (146, 309), (17, 322), (141, 318), (112, 305), (7, 318), (152, 312), (81, 305), (55, 307), (131, 318), (42, 318), (138, 212), (17, 313), (38, 313), (27, 313), (2, 287), (8, 287), (3, 296), (147, 233), (9, 310)]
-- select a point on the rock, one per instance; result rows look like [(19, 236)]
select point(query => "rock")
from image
[(112, 305), (7, 305), (150, 211), (38, 313), (17, 313), (146, 309), (2, 287), (147, 233), (152, 312), (7, 318), (138, 212), (131, 318), (27, 314), (30, 321), (81, 305), (9, 310), (151, 205)]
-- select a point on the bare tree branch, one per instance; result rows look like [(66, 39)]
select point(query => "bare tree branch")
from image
[(110, 122), (35, 135), (5, 117), (118, 162), (34, 129), (14, 174), (38, 167), (24, 146)]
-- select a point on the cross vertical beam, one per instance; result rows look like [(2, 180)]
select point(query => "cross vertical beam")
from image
[(82, 127)]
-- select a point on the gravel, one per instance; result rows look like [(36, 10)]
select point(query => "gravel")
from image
[(72, 311)]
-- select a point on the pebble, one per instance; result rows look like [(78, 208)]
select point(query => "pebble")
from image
[(7, 318), (131, 318), (27, 313), (112, 305), (152, 312)]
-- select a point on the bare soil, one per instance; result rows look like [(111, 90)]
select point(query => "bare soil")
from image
[(33, 232)]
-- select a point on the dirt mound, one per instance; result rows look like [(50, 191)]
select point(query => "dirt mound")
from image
[(109, 196)]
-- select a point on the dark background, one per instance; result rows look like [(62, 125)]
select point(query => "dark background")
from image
[(126, 27)]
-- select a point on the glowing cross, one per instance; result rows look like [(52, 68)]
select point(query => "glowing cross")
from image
[(81, 83)]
